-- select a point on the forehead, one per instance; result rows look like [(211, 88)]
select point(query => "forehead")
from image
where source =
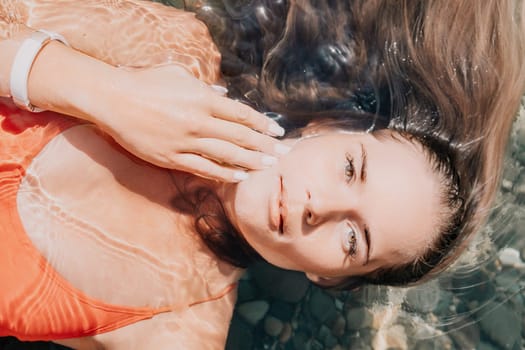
[(402, 199)]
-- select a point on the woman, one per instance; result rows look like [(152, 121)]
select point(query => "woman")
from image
[(69, 223), (97, 201)]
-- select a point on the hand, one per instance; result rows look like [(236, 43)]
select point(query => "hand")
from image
[(169, 118)]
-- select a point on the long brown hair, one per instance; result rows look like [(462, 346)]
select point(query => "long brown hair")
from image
[(446, 74), (465, 63)]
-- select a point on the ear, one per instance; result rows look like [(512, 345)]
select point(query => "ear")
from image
[(325, 281)]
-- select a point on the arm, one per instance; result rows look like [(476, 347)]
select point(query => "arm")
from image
[(163, 115)]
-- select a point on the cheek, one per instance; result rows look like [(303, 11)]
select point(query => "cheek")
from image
[(251, 196), (320, 255), (252, 212), (317, 157)]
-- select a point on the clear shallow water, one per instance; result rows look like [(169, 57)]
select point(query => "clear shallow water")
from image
[(477, 305)]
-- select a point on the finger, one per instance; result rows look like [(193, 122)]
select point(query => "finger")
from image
[(200, 166), (227, 109), (242, 136), (221, 90), (232, 155)]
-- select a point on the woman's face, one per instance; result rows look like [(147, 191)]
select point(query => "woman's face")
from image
[(339, 204)]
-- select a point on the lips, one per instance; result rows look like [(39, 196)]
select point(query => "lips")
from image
[(283, 210), (278, 208)]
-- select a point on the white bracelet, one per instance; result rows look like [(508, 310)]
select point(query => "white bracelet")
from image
[(24, 59)]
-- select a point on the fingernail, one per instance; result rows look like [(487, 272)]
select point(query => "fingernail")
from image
[(269, 160), (240, 175), (275, 130), (282, 149), (220, 89)]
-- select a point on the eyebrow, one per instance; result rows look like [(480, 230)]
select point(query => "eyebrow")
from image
[(363, 164)]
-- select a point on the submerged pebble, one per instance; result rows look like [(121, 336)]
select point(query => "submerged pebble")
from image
[(253, 311), (358, 318), (322, 306), (502, 325), (510, 257), (289, 286), (273, 326)]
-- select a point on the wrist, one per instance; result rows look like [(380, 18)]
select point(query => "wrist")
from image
[(66, 81), (23, 63)]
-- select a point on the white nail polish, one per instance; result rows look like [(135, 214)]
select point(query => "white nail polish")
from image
[(282, 149), (269, 160), (275, 130), (240, 175), (220, 89)]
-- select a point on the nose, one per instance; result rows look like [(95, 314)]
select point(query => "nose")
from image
[(322, 206)]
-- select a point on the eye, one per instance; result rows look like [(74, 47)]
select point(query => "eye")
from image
[(349, 168), (350, 242)]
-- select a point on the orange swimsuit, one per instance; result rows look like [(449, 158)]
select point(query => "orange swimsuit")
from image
[(36, 303)]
